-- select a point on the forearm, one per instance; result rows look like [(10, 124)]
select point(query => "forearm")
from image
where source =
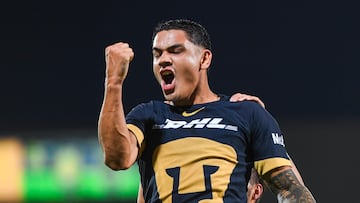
[(288, 188), (118, 144)]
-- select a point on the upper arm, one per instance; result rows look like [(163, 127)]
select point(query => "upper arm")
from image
[(138, 120), (134, 147), (267, 142)]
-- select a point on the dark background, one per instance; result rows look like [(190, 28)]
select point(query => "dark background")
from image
[(301, 58)]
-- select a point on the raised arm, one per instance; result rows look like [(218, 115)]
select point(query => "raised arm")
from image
[(283, 182), (118, 143)]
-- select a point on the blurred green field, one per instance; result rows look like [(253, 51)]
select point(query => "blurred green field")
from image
[(65, 170)]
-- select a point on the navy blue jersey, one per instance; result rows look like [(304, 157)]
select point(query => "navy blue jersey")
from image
[(205, 152)]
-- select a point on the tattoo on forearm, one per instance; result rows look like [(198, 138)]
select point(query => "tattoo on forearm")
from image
[(288, 188)]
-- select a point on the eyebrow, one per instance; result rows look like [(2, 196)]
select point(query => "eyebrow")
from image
[(168, 48)]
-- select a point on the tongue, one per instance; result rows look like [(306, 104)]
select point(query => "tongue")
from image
[(168, 87)]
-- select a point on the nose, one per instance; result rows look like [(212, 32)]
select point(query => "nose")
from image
[(164, 60)]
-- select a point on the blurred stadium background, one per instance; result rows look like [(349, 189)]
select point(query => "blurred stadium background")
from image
[(60, 166)]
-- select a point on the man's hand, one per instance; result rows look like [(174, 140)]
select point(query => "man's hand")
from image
[(118, 57), (242, 97)]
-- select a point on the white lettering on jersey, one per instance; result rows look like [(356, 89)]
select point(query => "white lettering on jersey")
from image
[(278, 139), (197, 123)]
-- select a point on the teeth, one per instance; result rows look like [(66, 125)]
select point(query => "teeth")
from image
[(166, 73)]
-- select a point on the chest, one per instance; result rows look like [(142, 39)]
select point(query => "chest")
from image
[(221, 125)]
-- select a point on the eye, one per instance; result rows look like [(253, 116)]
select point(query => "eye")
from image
[(177, 50), (156, 53)]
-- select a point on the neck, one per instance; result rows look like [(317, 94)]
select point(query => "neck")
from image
[(198, 99)]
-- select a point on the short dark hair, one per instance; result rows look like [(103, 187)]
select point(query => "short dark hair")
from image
[(196, 33)]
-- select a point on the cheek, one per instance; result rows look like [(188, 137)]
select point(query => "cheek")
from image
[(186, 72), (191, 66), (190, 75), (193, 61)]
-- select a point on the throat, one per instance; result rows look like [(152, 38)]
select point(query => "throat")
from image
[(207, 99)]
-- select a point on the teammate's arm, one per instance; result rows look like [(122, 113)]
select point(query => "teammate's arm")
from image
[(118, 143), (286, 186)]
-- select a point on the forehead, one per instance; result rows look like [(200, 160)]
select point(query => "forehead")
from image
[(168, 38)]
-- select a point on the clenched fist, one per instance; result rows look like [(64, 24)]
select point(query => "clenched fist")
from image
[(118, 57)]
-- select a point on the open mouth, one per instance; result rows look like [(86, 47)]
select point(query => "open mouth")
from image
[(167, 76), (168, 81)]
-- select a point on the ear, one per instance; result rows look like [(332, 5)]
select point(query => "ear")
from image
[(258, 191), (206, 58)]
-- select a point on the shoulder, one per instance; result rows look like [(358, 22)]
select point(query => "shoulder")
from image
[(148, 106), (147, 111), (253, 111), (151, 103), (250, 106), (245, 103)]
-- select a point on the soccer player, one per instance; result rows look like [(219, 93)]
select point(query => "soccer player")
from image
[(198, 146)]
